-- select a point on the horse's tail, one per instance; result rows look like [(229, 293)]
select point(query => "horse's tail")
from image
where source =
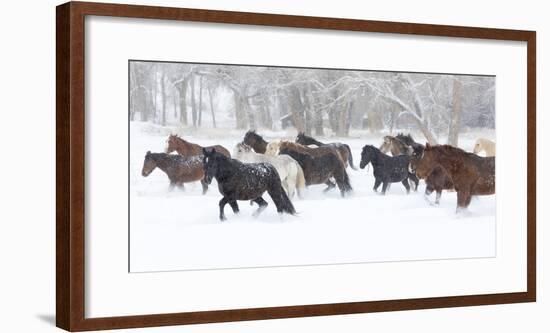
[(300, 179), (280, 198), (347, 184), (350, 157)]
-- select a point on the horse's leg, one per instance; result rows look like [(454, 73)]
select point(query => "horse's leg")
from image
[(437, 196), (180, 186), (234, 206), (330, 185), (222, 203), (171, 186), (385, 187), (414, 180), (204, 187), (262, 205), (405, 183), (463, 199), (290, 185), (377, 183)]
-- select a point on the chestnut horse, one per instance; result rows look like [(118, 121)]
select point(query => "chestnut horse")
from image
[(179, 169), (186, 148), (471, 174)]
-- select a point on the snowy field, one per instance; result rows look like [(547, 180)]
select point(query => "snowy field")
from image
[(180, 230)]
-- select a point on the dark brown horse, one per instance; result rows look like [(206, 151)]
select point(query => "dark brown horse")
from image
[(471, 174), (186, 148), (179, 169), (254, 140), (319, 164), (343, 149)]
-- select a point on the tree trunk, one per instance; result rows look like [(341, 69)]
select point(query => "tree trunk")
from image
[(240, 112), (193, 102), (344, 119), (163, 94), (297, 109), (175, 100), (183, 101), (454, 125), (200, 101), (212, 107)]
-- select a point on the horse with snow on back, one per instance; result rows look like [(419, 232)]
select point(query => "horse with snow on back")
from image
[(244, 181), (290, 172), (386, 169)]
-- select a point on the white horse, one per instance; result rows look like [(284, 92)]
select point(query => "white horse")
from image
[(290, 172), (486, 145)]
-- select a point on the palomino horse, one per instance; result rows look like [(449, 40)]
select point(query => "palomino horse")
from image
[(245, 181), (179, 169), (486, 145), (186, 148), (471, 174), (319, 164), (290, 172), (342, 148)]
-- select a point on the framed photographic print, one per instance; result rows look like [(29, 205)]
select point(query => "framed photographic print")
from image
[(221, 166)]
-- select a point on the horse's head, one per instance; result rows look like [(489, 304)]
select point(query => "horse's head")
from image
[(272, 148), (406, 139), (386, 144), (303, 139), (478, 147), (211, 163), (368, 154), (251, 138), (425, 160), (149, 164), (171, 143), (241, 148), (416, 155)]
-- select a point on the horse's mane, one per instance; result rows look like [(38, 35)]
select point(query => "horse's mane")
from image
[(294, 146), (451, 151)]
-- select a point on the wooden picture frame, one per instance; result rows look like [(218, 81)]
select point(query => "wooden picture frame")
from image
[(70, 170)]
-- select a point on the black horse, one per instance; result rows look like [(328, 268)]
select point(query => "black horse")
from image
[(245, 181), (387, 169), (342, 148)]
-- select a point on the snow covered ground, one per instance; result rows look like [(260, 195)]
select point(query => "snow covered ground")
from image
[(180, 230)]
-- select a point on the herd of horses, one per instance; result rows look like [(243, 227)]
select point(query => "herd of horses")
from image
[(284, 168)]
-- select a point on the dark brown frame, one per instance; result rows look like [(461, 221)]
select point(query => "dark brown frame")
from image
[(71, 163)]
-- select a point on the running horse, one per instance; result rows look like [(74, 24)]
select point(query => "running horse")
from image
[(186, 148), (343, 149), (471, 174)]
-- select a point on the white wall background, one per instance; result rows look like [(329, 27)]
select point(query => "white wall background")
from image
[(27, 164)]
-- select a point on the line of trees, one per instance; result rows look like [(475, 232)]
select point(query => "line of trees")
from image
[(311, 100)]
